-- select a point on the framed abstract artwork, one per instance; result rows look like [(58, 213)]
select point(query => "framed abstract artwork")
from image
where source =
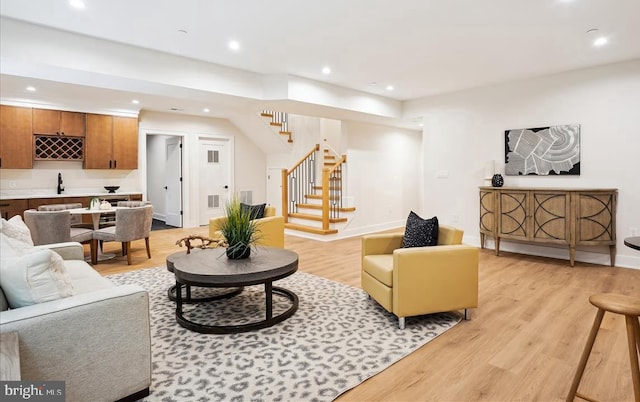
[(542, 151)]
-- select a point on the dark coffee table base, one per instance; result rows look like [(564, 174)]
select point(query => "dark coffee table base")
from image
[(171, 293), (269, 320)]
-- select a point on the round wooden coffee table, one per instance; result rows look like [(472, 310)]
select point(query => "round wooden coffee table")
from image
[(210, 268)]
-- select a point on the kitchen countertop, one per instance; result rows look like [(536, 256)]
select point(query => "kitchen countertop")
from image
[(44, 194)]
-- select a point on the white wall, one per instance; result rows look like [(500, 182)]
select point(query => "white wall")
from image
[(43, 179), (464, 130), (248, 166), (384, 176)]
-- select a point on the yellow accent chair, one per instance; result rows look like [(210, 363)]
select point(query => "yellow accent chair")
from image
[(420, 280), (271, 228)]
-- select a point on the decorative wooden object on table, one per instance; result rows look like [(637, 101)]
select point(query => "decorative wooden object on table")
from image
[(572, 217), (205, 242), (617, 304)]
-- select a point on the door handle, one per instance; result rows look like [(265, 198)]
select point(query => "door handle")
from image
[(226, 187), (166, 188)]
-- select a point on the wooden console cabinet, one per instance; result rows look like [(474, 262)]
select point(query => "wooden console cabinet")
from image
[(571, 217)]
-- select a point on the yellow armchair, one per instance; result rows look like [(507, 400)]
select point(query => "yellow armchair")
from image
[(420, 280), (271, 228)]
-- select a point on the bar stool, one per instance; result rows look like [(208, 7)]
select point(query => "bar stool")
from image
[(618, 304)]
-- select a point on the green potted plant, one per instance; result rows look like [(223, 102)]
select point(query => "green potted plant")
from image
[(239, 230)]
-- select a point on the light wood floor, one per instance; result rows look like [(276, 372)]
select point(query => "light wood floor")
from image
[(523, 343)]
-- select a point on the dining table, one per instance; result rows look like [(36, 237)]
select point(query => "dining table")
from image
[(95, 220), (95, 214)]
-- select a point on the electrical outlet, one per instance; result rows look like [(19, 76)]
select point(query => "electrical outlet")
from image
[(12, 183), (455, 218), (634, 231)]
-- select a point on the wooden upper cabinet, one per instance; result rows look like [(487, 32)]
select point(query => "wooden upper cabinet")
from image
[(57, 122), (16, 138), (98, 141), (125, 143), (111, 142)]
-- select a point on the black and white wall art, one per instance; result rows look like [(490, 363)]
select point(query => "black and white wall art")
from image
[(542, 151)]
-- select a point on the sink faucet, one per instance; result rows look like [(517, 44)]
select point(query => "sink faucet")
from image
[(60, 186)]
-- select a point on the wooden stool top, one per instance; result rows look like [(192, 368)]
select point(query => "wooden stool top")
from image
[(615, 303)]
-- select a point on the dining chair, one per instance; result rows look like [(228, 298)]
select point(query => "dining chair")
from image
[(131, 204), (76, 220), (131, 224), (48, 227)]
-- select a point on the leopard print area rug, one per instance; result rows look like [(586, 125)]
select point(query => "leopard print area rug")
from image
[(338, 338)]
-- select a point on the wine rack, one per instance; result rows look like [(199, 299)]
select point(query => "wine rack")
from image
[(47, 147)]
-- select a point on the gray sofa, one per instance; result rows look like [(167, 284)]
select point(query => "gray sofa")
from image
[(97, 341)]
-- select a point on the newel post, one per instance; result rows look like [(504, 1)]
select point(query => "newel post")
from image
[(325, 198), (285, 195)]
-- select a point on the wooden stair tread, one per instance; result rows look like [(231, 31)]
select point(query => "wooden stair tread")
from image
[(310, 229), (335, 187), (317, 218), (266, 115), (275, 124), (285, 132), (313, 206), (319, 197)]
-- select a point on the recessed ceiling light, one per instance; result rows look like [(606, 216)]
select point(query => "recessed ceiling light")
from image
[(31, 89), (234, 45), (601, 41), (326, 70), (206, 110), (389, 87), (182, 31), (76, 4), (135, 101)]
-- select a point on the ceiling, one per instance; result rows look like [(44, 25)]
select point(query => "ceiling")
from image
[(420, 47)]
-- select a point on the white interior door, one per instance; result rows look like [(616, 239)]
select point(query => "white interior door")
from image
[(274, 189), (214, 178), (173, 182)]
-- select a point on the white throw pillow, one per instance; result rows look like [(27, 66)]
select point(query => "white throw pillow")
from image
[(11, 247), (16, 229), (29, 275)]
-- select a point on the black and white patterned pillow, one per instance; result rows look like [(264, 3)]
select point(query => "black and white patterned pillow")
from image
[(420, 232), (255, 211)]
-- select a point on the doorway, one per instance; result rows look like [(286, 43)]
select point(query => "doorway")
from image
[(214, 178), (164, 173), (274, 189), (173, 181)]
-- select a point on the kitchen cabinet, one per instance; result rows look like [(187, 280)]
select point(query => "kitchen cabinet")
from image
[(16, 138), (570, 217), (58, 122), (10, 208), (111, 142)]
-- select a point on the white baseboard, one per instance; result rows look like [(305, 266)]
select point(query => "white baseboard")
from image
[(160, 217), (623, 260)]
